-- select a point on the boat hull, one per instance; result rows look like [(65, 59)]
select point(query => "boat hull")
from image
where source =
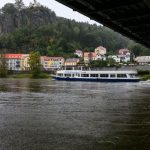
[(95, 79)]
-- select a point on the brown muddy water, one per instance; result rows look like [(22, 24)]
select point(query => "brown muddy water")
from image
[(57, 115)]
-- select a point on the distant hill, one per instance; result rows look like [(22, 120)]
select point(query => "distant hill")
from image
[(36, 27)]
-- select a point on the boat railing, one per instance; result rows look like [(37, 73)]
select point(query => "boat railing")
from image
[(96, 68)]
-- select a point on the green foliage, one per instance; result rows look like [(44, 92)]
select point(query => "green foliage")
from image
[(9, 8), (138, 49), (19, 4), (55, 36), (35, 65), (143, 72), (111, 62), (44, 76), (3, 66), (98, 63), (145, 77), (20, 76), (102, 63)]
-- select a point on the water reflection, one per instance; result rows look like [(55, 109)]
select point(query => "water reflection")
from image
[(45, 114)]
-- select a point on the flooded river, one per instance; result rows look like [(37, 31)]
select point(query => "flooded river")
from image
[(57, 115)]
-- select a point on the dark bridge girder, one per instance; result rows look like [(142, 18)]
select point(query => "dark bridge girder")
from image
[(128, 17)]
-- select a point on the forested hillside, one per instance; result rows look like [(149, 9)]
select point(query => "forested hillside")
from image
[(35, 27)]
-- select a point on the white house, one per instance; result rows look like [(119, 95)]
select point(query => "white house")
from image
[(115, 58), (13, 61), (100, 53)]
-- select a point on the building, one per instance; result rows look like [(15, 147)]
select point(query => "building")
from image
[(72, 61), (115, 58), (88, 56), (100, 50), (79, 53), (100, 53), (21, 62), (49, 63), (25, 62), (143, 59), (123, 51), (13, 61), (124, 55)]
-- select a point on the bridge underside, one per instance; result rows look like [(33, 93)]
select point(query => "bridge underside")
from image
[(128, 17)]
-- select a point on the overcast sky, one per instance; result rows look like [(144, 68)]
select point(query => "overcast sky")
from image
[(59, 9)]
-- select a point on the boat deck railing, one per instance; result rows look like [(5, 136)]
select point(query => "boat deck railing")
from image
[(97, 69)]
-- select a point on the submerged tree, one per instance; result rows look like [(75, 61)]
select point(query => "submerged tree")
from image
[(35, 65)]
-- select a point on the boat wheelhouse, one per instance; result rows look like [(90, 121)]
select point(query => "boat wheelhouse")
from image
[(92, 74)]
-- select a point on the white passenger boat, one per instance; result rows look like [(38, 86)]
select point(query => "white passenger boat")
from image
[(88, 74)]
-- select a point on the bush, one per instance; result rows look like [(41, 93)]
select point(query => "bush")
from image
[(143, 72), (145, 77), (41, 76)]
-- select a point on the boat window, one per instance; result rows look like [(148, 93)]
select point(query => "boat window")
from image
[(85, 68), (76, 68), (121, 75), (112, 75), (72, 75), (84, 75), (67, 75), (132, 75), (68, 68), (104, 75), (60, 74), (93, 75)]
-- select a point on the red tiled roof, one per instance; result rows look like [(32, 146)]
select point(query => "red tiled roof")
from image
[(78, 51), (123, 51), (89, 54), (13, 56)]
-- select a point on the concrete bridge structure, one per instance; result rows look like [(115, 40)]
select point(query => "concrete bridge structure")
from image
[(128, 17)]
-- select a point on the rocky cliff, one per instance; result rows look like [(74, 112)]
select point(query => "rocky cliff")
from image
[(11, 18)]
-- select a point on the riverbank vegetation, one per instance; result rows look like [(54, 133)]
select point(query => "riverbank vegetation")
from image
[(29, 75), (144, 74)]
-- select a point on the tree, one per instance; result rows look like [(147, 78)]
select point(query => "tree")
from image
[(19, 4), (3, 66), (35, 65), (98, 63), (34, 4), (9, 9)]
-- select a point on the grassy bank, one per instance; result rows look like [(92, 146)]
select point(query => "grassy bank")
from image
[(20, 76), (144, 75)]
